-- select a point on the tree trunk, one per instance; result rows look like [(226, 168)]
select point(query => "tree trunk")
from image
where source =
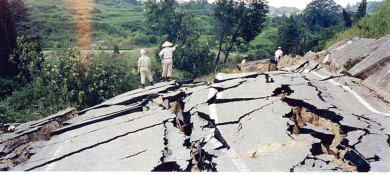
[(227, 54), (218, 55)]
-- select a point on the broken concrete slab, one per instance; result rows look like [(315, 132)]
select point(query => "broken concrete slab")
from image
[(117, 133), (223, 77), (369, 150), (376, 57), (197, 98), (175, 151), (135, 95), (351, 54), (289, 121), (228, 84), (353, 136), (379, 80)]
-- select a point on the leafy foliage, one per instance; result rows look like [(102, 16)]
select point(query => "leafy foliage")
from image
[(321, 14), (194, 58), (263, 46), (181, 27), (289, 37), (238, 22), (116, 49), (374, 25), (28, 57), (347, 19), (65, 80), (361, 12)]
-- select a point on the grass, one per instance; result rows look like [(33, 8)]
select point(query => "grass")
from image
[(122, 25), (52, 22)]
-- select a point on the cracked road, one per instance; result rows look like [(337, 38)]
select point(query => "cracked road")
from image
[(305, 119)]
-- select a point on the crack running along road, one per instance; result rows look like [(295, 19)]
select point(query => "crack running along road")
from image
[(348, 89)]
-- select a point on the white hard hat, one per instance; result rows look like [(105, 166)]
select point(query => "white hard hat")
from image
[(167, 44), (279, 47), (142, 52)]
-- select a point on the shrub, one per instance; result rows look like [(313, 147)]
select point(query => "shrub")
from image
[(194, 58), (67, 79)]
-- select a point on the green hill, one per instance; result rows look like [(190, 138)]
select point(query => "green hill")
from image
[(120, 23), (374, 25)]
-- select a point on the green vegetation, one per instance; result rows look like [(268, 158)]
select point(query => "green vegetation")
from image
[(361, 11), (121, 23), (67, 79), (263, 46), (34, 85), (321, 23), (371, 6), (181, 27), (374, 25), (52, 23), (283, 11), (237, 24)]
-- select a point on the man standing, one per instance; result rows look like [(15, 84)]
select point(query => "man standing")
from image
[(278, 54), (166, 56), (145, 68)]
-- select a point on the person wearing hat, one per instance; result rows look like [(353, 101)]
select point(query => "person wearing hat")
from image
[(166, 56), (278, 54), (145, 68)]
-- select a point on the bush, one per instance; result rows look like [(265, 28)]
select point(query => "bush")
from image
[(194, 58), (69, 80)]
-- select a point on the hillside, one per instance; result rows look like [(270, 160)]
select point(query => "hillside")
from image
[(374, 25), (111, 24), (118, 23)]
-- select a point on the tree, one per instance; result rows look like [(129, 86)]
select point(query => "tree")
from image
[(116, 49), (180, 27), (28, 57), (321, 14), (162, 18), (7, 39), (361, 12), (238, 22), (347, 19), (289, 37)]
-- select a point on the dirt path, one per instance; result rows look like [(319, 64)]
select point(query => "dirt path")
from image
[(92, 51)]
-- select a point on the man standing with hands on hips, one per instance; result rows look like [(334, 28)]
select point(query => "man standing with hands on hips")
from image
[(166, 55)]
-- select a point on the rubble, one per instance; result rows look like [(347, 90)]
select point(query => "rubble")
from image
[(259, 66), (366, 59)]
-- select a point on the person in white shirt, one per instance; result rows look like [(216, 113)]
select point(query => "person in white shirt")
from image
[(166, 55), (145, 68), (244, 60), (278, 54)]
